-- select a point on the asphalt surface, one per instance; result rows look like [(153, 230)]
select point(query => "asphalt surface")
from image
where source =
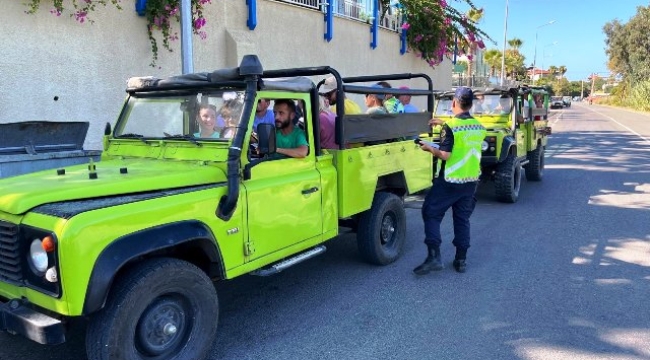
[(562, 274)]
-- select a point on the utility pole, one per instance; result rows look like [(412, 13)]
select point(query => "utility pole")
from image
[(593, 80), (503, 54), (582, 89)]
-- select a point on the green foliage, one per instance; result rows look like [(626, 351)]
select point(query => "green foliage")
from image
[(628, 46), (640, 96), (561, 87), (493, 57), (434, 28), (628, 50), (159, 14)]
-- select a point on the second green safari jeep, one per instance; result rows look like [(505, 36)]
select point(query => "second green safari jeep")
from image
[(516, 121), (133, 242)]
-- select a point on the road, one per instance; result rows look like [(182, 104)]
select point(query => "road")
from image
[(562, 274)]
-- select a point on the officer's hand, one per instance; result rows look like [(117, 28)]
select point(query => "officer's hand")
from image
[(426, 147)]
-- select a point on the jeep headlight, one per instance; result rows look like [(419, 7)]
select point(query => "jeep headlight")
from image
[(484, 145), (38, 257)]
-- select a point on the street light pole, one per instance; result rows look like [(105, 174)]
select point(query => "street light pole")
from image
[(544, 52), (503, 54), (186, 37), (535, 56)]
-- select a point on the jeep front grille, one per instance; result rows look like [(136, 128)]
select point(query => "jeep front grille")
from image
[(10, 267)]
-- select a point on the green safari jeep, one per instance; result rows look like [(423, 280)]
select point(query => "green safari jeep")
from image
[(134, 242), (516, 120)]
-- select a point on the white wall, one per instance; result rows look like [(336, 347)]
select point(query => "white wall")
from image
[(86, 65)]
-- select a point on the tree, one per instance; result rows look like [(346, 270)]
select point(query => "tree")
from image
[(474, 15), (493, 57), (436, 30), (515, 43), (561, 87), (562, 70), (515, 60), (628, 46)]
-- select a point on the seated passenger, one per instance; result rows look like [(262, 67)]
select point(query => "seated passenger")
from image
[(231, 121), (503, 107), (263, 115), (405, 100), (328, 91), (290, 140), (207, 119), (391, 103), (326, 120), (480, 106), (375, 102)]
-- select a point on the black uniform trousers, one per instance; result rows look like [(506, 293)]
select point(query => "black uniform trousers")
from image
[(443, 195)]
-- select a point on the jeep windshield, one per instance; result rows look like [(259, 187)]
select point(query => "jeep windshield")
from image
[(488, 104), (212, 116)]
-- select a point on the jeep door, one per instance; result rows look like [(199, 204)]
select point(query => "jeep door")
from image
[(284, 202)]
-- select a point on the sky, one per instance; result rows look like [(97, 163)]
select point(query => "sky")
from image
[(575, 40)]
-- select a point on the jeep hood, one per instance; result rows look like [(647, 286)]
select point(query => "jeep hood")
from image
[(19, 194)]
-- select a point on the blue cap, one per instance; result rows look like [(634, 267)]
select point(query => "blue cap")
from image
[(379, 96), (464, 93)]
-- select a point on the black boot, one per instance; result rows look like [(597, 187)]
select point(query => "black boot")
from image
[(460, 265), (459, 262), (431, 263)]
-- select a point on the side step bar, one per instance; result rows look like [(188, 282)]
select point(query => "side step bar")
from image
[(289, 262)]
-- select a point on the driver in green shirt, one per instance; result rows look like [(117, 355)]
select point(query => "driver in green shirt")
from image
[(290, 140)]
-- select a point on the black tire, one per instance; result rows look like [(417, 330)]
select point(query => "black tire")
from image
[(161, 309), (535, 167), (382, 230), (507, 180)]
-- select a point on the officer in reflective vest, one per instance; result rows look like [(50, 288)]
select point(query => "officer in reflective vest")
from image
[(459, 168)]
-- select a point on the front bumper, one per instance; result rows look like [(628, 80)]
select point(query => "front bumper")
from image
[(489, 160), (18, 319)]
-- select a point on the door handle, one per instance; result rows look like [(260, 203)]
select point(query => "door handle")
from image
[(310, 190)]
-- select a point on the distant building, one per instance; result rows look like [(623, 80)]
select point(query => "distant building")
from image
[(536, 73)]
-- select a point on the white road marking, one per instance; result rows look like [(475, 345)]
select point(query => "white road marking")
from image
[(558, 117), (626, 127)]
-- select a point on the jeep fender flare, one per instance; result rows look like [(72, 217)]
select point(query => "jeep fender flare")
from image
[(506, 145), (132, 246)]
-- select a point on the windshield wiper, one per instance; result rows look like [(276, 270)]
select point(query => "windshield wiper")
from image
[(189, 138), (132, 136)]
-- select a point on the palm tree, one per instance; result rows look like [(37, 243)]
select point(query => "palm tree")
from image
[(492, 57), (553, 70), (514, 59), (474, 15), (562, 70), (515, 43)]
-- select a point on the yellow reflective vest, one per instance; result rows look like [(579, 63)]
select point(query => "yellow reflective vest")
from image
[(464, 163)]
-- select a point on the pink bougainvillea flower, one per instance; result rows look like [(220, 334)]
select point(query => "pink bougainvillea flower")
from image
[(418, 38), (443, 4), (80, 16), (199, 23), (406, 26), (447, 21)]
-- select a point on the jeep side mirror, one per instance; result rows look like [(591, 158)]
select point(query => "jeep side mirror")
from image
[(266, 138)]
